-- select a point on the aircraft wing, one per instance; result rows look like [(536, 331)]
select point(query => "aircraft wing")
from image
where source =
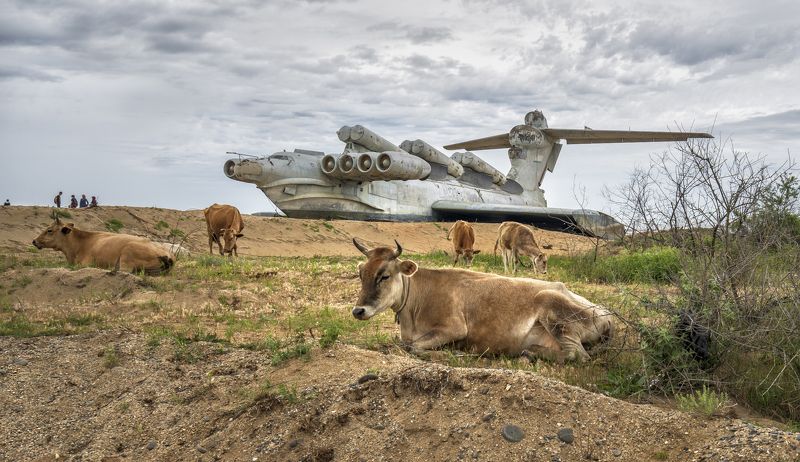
[(618, 136), (580, 137), (581, 221)]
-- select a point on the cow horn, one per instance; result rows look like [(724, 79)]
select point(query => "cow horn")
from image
[(360, 247), (399, 249)]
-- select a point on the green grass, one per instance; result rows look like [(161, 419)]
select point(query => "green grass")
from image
[(704, 401), (18, 325), (110, 357), (114, 225), (62, 213)]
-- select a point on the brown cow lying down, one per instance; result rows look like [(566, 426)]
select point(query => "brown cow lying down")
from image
[(105, 250), (478, 312)]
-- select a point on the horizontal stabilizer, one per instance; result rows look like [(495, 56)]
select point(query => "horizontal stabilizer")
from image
[(586, 136), (490, 142), (617, 136)]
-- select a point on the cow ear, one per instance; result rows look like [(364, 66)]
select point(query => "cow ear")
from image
[(239, 235), (476, 252), (408, 267), (66, 229)]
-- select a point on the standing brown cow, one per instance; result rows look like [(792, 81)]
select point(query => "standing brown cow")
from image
[(225, 225), (463, 239), (516, 240), (105, 250)]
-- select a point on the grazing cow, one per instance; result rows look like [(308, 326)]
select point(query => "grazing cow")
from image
[(463, 240), (105, 250), (225, 226), (516, 240), (479, 312)]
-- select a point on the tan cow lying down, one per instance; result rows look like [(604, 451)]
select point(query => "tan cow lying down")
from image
[(105, 250), (224, 224), (478, 312), (463, 237), (516, 240)]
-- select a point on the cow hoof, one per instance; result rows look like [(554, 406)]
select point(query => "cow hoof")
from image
[(529, 356)]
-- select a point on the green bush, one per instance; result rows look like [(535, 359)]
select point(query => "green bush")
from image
[(656, 264)]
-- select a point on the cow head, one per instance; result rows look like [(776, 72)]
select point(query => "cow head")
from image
[(55, 236), (468, 255), (540, 263), (229, 236), (381, 279)]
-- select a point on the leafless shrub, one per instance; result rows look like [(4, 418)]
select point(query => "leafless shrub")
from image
[(732, 218)]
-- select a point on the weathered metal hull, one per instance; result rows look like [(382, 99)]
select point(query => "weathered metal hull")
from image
[(294, 183)]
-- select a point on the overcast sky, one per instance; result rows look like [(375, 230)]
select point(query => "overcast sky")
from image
[(137, 102)]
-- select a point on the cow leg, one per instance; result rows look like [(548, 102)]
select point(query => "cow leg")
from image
[(436, 338), (566, 317), (455, 260), (513, 261), (211, 244), (572, 347), (505, 260), (540, 343)]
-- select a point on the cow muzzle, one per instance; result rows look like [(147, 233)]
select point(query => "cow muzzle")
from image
[(37, 245), (363, 312)]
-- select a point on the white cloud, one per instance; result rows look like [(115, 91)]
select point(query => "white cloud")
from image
[(138, 101)]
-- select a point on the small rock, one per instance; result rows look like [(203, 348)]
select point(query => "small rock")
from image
[(484, 390), (294, 443), (201, 449), (20, 362), (151, 445), (616, 452), (488, 417), (565, 435), (367, 377), (512, 433)]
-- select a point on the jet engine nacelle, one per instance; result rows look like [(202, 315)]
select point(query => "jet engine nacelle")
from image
[(373, 166), (425, 151), (468, 159), (365, 137)]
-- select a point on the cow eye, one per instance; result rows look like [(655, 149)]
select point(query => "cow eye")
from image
[(383, 278), (49, 231)]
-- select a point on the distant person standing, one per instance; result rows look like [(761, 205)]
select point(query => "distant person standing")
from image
[(57, 199), (6, 203), (93, 203), (84, 201), (73, 203)]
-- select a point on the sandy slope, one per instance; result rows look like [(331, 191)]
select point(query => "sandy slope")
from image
[(265, 236)]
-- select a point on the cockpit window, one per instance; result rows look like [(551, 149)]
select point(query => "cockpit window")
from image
[(279, 157)]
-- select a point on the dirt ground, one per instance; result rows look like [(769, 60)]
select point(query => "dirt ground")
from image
[(116, 391)]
